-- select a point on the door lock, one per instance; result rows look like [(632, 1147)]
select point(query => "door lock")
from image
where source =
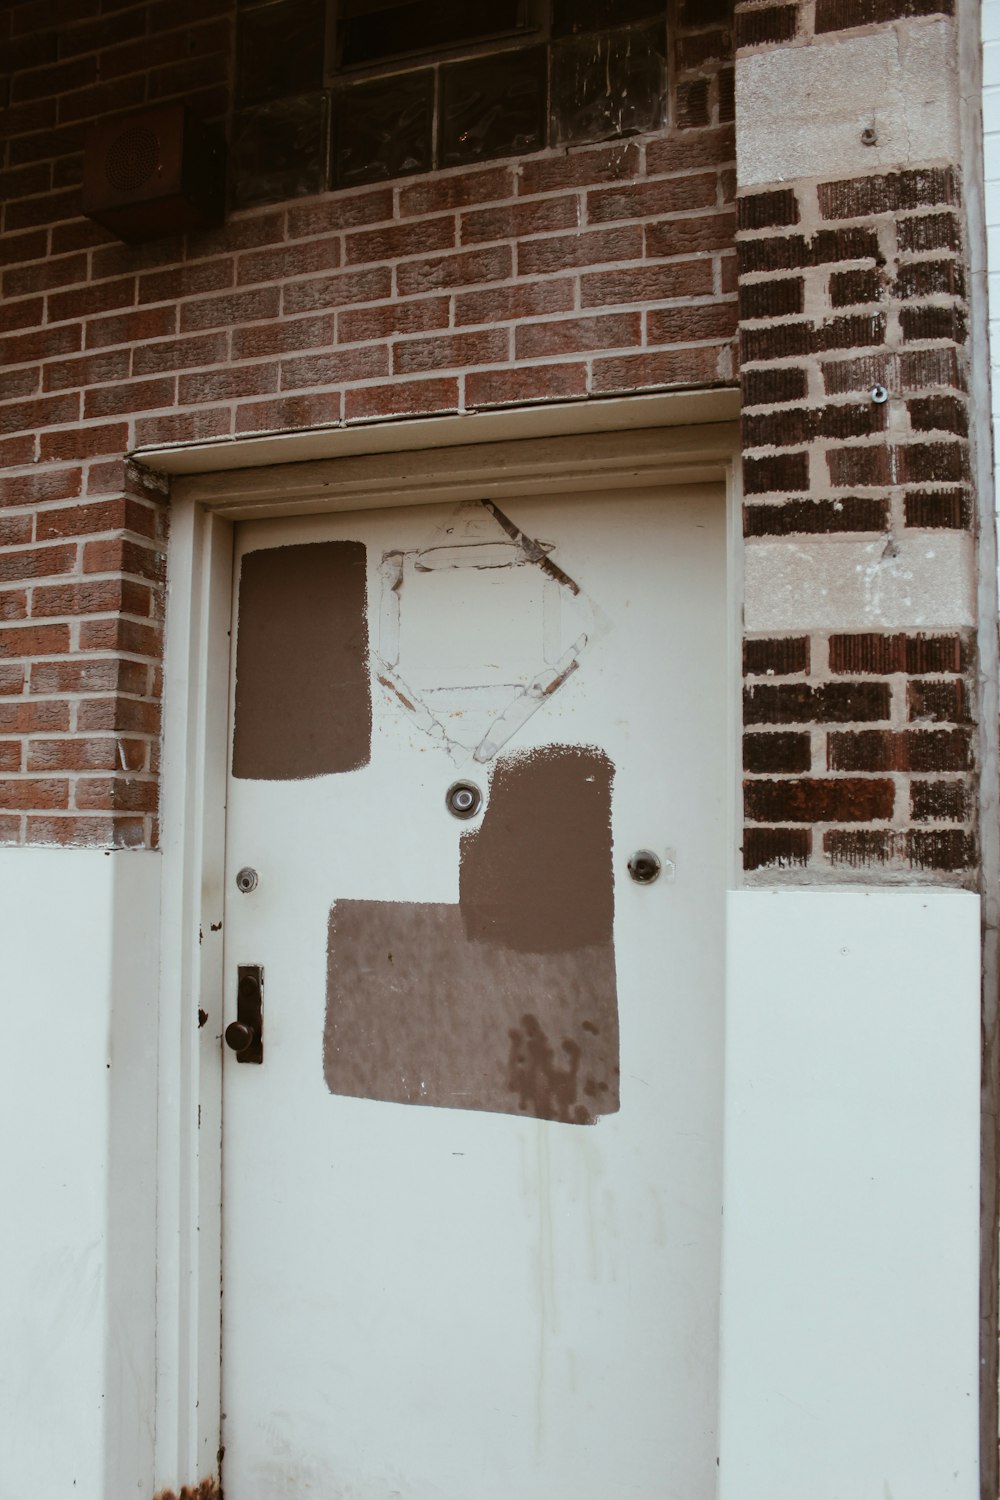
[(246, 880), (245, 1034), (644, 866)]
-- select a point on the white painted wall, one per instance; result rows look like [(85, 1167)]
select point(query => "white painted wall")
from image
[(851, 1197), (77, 1122)]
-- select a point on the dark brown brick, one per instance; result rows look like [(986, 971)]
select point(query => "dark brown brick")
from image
[(772, 299), (940, 849), (938, 509), (867, 465), (776, 657), (910, 750), (930, 463), (773, 209), (944, 702), (816, 517), (776, 848), (847, 288), (859, 847), (939, 414), (766, 26), (944, 801), (779, 751), (861, 331), (842, 800), (776, 341), (793, 252), (925, 278), (771, 387), (786, 471), (921, 232), (840, 15), (862, 197), (827, 703), (786, 428), (885, 654)]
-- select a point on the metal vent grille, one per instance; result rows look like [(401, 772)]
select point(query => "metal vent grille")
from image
[(132, 159)]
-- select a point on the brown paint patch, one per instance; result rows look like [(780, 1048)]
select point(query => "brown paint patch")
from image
[(303, 697), (207, 1490), (536, 877), (508, 1001)]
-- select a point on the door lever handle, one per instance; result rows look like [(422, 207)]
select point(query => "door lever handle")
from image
[(245, 1034)]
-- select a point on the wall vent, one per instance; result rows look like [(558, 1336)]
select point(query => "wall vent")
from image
[(155, 173)]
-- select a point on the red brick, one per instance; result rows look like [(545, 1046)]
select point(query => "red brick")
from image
[(180, 354), (223, 385), (578, 168), (286, 261), (119, 793), (91, 369), (285, 336), (10, 755), (91, 36), (775, 848), (690, 236), (570, 335), (12, 678), (44, 275), (369, 285), (516, 220), (93, 597), (691, 323), (121, 556), (13, 604), (246, 232), (182, 427), (132, 327), (25, 381), (48, 83), (644, 200), (25, 314), (911, 750), (88, 832), (231, 309), (647, 283), (187, 281), (121, 635), (38, 486), (503, 304), (412, 238), (26, 212), (37, 717), (40, 343), (401, 398), (93, 754), (673, 152), (342, 210), (119, 94), (85, 442), (82, 520), (16, 530), (33, 792), (78, 676), (587, 248), (16, 249), (942, 702), (290, 412), (44, 411), (454, 351), (363, 363), (36, 562), (554, 382), (464, 269), (128, 714), (438, 193), (666, 367), (418, 315), (843, 800), (21, 182), (138, 395)]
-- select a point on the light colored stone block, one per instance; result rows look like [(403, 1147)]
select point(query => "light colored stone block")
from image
[(800, 111), (924, 580)]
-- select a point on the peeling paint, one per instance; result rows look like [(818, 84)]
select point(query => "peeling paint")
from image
[(208, 1489), (480, 578)]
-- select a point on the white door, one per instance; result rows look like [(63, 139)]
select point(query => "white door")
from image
[(472, 1190)]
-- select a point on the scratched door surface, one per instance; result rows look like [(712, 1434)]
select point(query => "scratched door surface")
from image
[(472, 1192)]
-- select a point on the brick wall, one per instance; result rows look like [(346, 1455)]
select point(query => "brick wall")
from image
[(858, 747), (601, 270)]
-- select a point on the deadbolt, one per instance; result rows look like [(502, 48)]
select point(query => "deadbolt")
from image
[(644, 866), (246, 880), (245, 1034), (463, 799)]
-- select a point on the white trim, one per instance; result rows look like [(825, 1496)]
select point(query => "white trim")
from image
[(193, 840), (554, 419)]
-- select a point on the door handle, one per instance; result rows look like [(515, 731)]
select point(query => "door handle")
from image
[(245, 1035)]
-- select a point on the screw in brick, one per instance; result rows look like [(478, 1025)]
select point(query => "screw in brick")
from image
[(869, 136), (879, 395)]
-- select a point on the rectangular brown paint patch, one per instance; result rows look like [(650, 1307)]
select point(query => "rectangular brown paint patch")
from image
[(303, 694), (508, 1001)]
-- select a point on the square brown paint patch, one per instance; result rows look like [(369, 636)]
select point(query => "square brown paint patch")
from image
[(506, 1002)]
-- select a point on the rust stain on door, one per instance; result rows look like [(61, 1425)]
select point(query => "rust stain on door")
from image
[(303, 696), (506, 1002)]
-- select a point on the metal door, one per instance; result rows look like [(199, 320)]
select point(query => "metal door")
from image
[(472, 1188)]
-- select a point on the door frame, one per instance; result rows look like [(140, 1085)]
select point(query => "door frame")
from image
[(471, 457)]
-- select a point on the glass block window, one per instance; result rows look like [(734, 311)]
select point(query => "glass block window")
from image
[(336, 93)]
